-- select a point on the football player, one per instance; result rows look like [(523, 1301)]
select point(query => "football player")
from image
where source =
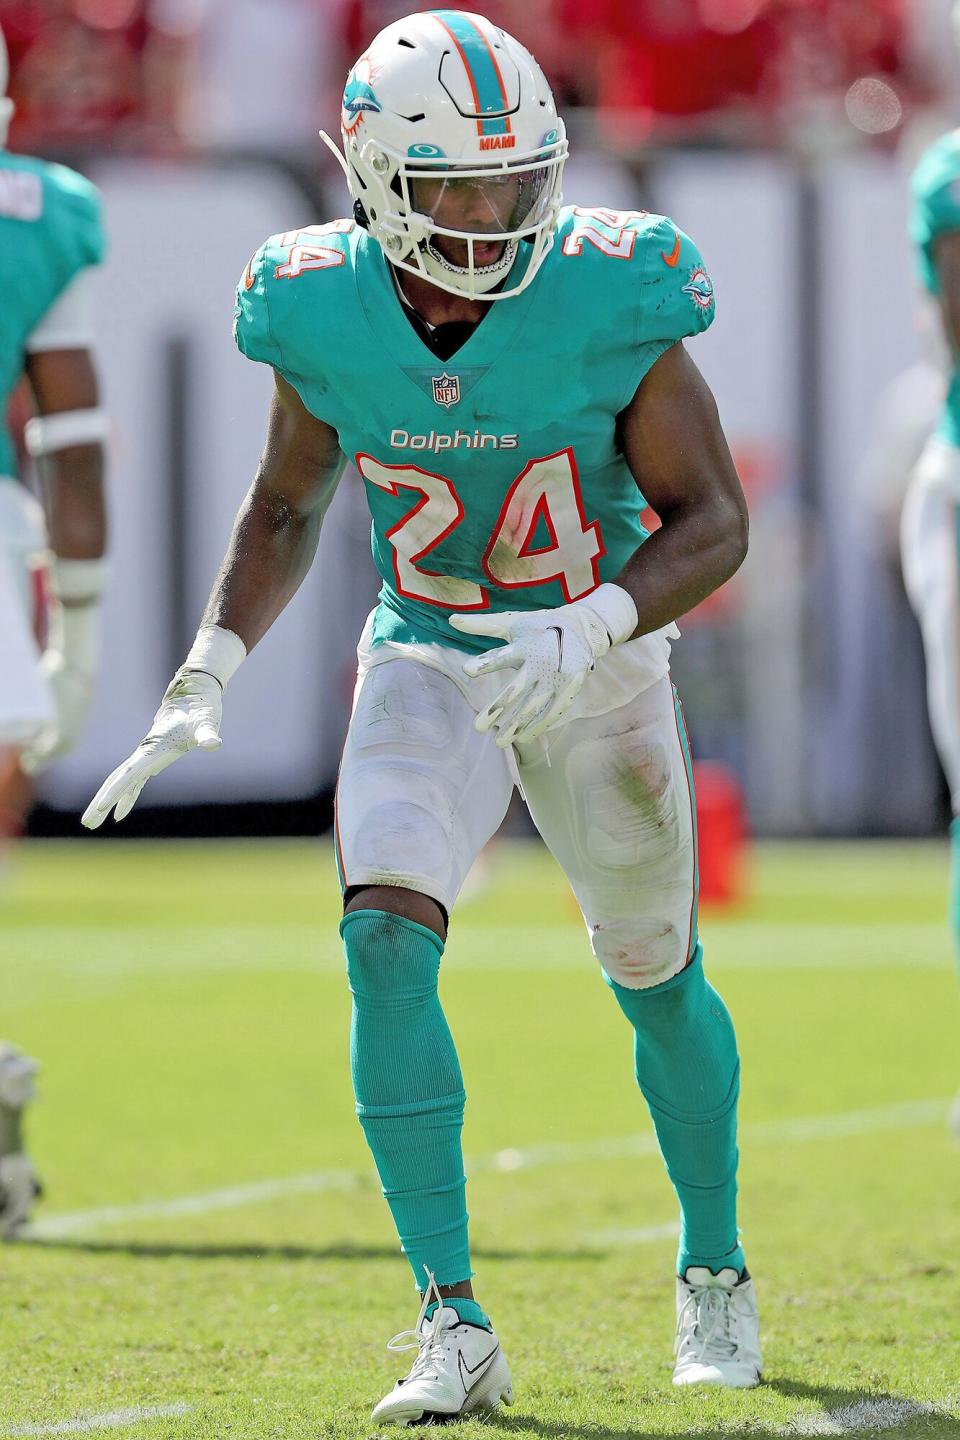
[(19, 1187), (505, 373), (50, 237), (930, 522)]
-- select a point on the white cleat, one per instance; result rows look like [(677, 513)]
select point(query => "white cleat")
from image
[(459, 1369), (718, 1334), (19, 1187)]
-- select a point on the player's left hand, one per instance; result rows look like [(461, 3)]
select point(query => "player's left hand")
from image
[(552, 651)]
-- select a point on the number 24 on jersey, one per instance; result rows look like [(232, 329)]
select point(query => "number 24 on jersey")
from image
[(547, 489)]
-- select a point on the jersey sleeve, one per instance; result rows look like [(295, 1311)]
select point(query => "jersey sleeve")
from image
[(68, 324), (674, 299), (935, 206), (251, 317)]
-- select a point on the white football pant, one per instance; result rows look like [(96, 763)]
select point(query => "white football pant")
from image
[(421, 792), (26, 705), (930, 545)]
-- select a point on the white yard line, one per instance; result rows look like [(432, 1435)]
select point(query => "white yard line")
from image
[(233, 1197), (110, 1420), (884, 1413), (618, 1147), (762, 1132)]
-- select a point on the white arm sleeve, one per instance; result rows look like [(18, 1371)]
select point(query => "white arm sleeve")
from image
[(68, 324)]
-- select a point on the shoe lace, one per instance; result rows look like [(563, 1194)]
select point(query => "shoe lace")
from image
[(707, 1323), (428, 1341)]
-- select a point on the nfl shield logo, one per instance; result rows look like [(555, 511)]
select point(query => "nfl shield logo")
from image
[(446, 389)]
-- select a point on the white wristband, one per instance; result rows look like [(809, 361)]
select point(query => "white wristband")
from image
[(46, 433), (616, 609), (218, 652), (77, 582)]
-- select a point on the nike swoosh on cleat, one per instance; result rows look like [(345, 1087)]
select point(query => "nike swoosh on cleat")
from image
[(673, 258), (477, 1371)]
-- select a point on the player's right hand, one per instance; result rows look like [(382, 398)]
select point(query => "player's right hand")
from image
[(188, 719)]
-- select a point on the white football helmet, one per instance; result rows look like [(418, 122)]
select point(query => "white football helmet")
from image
[(6, 105), (451, 139)]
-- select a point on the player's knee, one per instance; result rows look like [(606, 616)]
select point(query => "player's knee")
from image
[(409, 904), (389, 958), (639, 953)]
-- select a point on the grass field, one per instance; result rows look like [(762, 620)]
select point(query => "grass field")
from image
[(213, 1258)]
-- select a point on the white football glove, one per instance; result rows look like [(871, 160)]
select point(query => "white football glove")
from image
[(188, 719), (552, 651), (69, 667), (71, 658)]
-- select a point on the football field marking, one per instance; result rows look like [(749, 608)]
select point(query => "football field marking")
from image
[(884, 1413), (231, 1197), (110, 1420), (762, 1132), (843, 1124)]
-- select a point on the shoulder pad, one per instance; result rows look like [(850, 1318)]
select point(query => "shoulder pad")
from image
[(641, 264), (75, 209), (270, 293), (935, 189)]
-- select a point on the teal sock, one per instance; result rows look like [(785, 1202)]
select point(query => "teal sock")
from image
[(469, 1311), (955, 886), (408, 1088), (688, 1070)]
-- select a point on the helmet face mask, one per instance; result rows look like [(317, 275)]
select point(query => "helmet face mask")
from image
[(455, 153)]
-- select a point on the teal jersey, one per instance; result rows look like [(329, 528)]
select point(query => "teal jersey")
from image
[(494, 478), (50, 229), (935, 211)]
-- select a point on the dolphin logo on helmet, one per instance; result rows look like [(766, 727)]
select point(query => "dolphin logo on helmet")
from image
[(359, 96), (444, 101)]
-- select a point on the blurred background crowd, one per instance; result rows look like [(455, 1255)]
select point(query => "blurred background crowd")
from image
[(164, 74), (779, 133)]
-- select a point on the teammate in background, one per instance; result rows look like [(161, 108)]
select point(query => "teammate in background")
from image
[(50, 236), (19, 1186), (505, 373), (930, 525)]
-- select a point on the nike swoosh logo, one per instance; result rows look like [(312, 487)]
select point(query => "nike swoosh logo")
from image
[(478, 1370), (673, 258), (559, 634), (249, 276)]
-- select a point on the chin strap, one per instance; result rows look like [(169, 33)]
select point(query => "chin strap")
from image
[(336, 152)]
